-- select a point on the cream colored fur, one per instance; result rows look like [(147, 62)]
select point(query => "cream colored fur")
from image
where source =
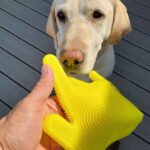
[(95, 38)]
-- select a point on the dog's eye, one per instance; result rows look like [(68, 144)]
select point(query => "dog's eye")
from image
[(61, 16), (97, 14)]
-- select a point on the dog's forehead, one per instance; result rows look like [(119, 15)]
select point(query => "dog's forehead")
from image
[(90, 4)]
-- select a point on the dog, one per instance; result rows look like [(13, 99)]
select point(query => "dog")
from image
[(84, 32)]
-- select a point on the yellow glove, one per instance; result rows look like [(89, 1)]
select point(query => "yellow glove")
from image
[(98, 114)]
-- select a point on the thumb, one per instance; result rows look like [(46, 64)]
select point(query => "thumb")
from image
[(44, 86)]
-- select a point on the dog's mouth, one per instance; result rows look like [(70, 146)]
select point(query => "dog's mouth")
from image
[(71, 70), (75, 72)]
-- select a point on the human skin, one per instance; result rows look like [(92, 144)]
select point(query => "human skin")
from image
[(21, 129)]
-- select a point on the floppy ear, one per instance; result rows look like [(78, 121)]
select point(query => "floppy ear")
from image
[(51, 23), (121, 23)]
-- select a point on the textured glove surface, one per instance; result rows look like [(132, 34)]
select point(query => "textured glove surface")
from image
[(98, 114)]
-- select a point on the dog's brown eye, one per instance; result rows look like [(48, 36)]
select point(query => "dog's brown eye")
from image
[(97, 14), (61, 16)]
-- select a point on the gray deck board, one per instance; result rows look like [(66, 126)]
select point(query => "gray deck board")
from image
[(17, 70), (143, 129), (23, 13), (133, 72), (139, 39), (145, 3), (137, 9), (42, 6), (133, 143), (23, 43), (140, 24), (50, 1), (10, 92), (27, 53), (3, 109), (134, 54), (25, 31)]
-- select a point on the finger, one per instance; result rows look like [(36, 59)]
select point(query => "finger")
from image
[(52, 107), (61, 79), (44, 86), (94, 76)]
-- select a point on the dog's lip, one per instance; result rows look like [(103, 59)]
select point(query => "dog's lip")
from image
[(70, 70), (72, 73)]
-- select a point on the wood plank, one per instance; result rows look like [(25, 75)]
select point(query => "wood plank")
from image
[(143, 129), (139, 39), (3, 109), (133, 72), (145, 3), (140, 23), (24, 13), (10, 92), (18, 71), (41, 7), (50, 1), (137, 9), (133, 54), (26, 32), (24, 52), (133, 143), (21, 49)]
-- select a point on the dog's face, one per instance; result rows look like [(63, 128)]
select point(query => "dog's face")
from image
[(80, 27)]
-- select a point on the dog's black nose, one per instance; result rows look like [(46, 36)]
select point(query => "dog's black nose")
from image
[(71, 58)]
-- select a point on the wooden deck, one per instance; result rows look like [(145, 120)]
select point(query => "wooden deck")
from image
[(23, 43)]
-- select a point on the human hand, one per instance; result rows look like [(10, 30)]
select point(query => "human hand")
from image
[(21, 129)]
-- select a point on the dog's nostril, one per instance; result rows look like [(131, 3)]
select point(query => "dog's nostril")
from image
[(76, 62), (65, 62)]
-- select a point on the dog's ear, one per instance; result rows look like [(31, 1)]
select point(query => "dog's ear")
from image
[(51, 23), (121, 23)]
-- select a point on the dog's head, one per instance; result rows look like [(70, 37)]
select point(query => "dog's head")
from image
[(80, 27)]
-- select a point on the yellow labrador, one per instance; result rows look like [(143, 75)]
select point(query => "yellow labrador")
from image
[(85, 31)]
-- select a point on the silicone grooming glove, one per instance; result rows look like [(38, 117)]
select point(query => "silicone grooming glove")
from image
[(98, 114)]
